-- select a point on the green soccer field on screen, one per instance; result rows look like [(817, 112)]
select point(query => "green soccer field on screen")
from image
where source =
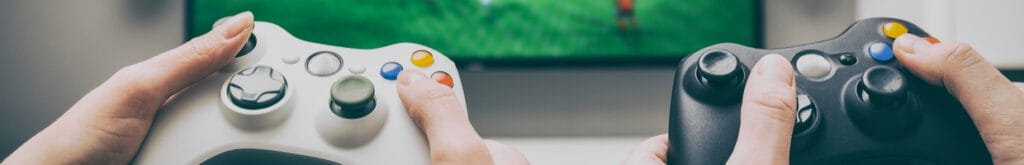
[(506, 29)]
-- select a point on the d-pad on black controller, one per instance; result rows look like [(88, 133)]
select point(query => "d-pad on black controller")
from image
[(856, 104)]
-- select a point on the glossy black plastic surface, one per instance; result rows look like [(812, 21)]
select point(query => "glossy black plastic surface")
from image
[(893, 117)]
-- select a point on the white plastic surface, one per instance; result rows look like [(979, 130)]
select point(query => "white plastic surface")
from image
[(197, 125), (356, 69), (290, 59)]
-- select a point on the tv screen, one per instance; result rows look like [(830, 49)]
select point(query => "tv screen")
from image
[(507, 30)]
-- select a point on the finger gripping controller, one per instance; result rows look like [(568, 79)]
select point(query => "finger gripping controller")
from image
[(856, 104), (283, 99)]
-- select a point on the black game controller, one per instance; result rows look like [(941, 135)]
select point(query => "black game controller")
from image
[(856, 104)]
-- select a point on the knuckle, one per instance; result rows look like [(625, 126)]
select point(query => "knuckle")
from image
[(963, 55), (200, 51), (775, 102), (432, 93), (963, 47), (436, 96), (132, 76), (132, 82), (206, 51), (774, 107), (429, 97)]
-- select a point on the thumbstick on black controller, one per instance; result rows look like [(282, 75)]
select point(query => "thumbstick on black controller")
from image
[(250, 44), (883, 86), (719, 67), (352, 97), (805, 113), (804, 129)]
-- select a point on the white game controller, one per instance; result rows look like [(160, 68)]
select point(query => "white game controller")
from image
[(285, 95)]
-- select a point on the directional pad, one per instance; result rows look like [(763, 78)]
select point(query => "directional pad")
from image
[(256, 87)]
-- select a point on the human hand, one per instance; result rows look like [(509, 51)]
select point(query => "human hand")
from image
[(995, 104), (444, 120), (108, 124), (766, 119)]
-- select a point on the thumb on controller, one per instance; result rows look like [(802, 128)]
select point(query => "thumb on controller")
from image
[(767, 114), (165, 74), (438, 112), (992, 101)]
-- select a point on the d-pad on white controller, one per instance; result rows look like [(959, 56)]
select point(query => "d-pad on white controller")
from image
[(296, 102), (256, 88), (250, 97)]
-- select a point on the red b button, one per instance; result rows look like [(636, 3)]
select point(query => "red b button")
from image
[(443, 78)]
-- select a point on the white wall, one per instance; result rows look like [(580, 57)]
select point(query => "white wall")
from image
[(54, 51), (795, 22)]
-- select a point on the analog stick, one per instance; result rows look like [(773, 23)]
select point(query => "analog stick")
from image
[(719, 67), (352, 97), (883, 86), (250, 44), (805, 113)]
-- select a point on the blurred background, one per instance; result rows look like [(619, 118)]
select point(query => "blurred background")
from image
[(586, 103)]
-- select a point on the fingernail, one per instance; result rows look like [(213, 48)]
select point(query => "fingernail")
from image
[(416, 77), (411, 77), (235, 25), (775, 67), (907, 43)]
